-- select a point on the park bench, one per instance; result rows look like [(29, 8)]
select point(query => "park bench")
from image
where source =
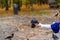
[(54, 5)]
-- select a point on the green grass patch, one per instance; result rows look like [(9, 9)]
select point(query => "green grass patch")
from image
[(9, 13), (34, 13)]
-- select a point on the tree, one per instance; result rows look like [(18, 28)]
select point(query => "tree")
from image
[(42, 2), (19, 4), (58, 1), (31, 4), (2, 3), (27, 2), (9, 3), (6, 5)]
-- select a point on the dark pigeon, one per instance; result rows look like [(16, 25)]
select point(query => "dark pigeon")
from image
[(10, 37), (56, 15)]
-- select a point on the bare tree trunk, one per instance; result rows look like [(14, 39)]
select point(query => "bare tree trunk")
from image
[(31, 3), (2, 3), (19, 4), (6, 5)]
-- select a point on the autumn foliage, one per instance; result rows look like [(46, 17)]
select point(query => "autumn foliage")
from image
[(35, 7)]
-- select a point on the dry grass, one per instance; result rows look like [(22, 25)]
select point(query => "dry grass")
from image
[(10, 13), (4, 13), (26, 11), (41, 7), (35, 7)]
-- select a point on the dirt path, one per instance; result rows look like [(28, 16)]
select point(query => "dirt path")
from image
[(19, 25)]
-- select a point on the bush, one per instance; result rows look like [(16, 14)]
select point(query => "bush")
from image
[(35, 7)]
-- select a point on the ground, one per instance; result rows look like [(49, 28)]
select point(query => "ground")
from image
[(21, 27)]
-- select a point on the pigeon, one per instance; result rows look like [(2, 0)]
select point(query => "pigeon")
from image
[(56, 15), (10, 37), (27, 39), (54, 37)]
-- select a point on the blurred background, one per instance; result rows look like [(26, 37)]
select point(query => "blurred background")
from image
[(46, 11), (27, 5)]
